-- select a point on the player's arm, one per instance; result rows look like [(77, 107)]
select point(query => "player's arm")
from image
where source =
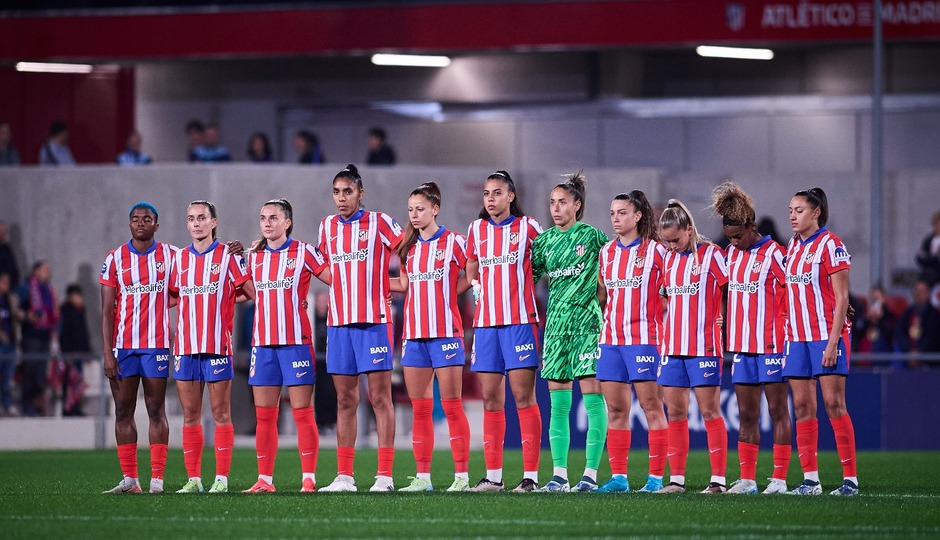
[(601, 291), (473, 270), (245, 292), (400, 283), (108, 295), (325, 275), (463, 284), (840, 289)]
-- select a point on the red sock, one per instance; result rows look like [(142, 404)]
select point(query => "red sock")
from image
[(618, 449), (224, 440), (459, 428), (845, 443), (678, 449), (659, 444), (747, 452), (717, 445), (193, 442), (157, 460), (386, 460), (494, 435), (345, 457), (807, 443), (308, 439), (422, 433), (530, 426), (781, 461), (266, 439), (127, 457)]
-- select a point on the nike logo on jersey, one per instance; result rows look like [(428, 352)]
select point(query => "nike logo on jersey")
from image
[(449, 356), (301, 374), (523, 357), (378, 360)]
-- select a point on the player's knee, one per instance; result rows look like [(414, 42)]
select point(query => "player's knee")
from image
[(123, 412), (221, 416), (835, 406), (380, 401), (347, 399)]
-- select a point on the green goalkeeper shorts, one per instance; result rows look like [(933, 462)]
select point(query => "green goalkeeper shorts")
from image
[(568, 357)]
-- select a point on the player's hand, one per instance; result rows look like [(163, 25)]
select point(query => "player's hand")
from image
[(829, 356), (111, 369), (235, 247), (388, 299), (476, 288), (720, 321)]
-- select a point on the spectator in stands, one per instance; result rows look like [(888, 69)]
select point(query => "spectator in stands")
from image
[(9, 314), (56, 151), (928, 257), (40, 338), (211, 151), (767, 226), (918, 329), (880, 322), (324, 395), (9, 155), (308, 148), (132, 154), (380, 153), (8, 263), (259, 148), (858, 306), (195, 132), (74, 341)]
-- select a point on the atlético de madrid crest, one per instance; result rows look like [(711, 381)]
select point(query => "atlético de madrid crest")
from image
[(159, 266), (290, 264), (439, 254), (579, 250), (363, 235), (514, 238), (215, 269)]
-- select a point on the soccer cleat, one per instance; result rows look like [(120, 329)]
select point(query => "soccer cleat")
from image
[(487, 485), (125, 486), (260, 486), (748, 487), (847, 489), (383, 484), (652, 485), (617, 484), (556, 485), (342, 483), (308, 486), (526, 486), (219, 486), (671, 487), (714, 487), (156, 485), (417, 484), (586, 485), (807, 487), (460, 484), (192, 486), (775, 486)]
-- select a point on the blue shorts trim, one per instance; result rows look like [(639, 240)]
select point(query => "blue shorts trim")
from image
[(628, 363), (804, 359), (757, 368), (203, 367), (433, 352), (689, 371), (497, 349), (281, 365), (358, 348), (149, 363)]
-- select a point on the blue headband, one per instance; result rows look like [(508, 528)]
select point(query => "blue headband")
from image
[(146, 206)]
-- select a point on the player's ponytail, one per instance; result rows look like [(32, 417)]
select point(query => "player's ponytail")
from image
[(677, 215), (646, 227), (816, 198), (431, 192), (288, 210), (212, 213), (514, 208), (733, 204), (574, 185)]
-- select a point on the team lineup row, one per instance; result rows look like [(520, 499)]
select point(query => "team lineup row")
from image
[(640, 311)]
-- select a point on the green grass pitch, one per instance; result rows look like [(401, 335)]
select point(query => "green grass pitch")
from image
[(55, 494)]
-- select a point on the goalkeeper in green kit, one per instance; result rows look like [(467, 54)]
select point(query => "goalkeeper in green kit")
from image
[(568, 254)]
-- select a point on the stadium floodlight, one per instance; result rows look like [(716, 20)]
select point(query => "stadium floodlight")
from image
[(742, 53), (51, 67), (410, 60)]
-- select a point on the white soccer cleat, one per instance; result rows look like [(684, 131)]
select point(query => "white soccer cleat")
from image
[(125, 486), (748, 487), (342, 483), (383, 484), (775, 486), (156, 485)]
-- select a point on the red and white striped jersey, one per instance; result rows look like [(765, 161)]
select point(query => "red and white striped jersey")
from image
[(206, 283), (633, 276), (504, 251), (756, 298), (358, 251), (693, 283), (282, 278), (433, 266), (141, 280), (811, 299)]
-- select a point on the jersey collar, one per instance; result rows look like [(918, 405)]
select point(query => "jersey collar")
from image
[(282, 248), (632, 244), (757, 245), (151, 249), (192, 248), (504, 222), (435, 236), (355, 217), (812, 236)]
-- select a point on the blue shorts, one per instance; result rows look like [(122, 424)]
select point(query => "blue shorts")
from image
[(358, 348), (433, 352), (689, 371), (281, 365), (203, 367), (149, 363), (627, 363), (757, 368), (804, 359), (497, 349)]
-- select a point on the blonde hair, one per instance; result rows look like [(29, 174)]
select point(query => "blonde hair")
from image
[(677, 215)]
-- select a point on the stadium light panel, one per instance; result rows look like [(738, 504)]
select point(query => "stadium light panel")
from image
[(47, 67), (410, 60), (734, 52)]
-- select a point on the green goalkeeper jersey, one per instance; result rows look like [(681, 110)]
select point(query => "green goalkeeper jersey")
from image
[(570, 258)]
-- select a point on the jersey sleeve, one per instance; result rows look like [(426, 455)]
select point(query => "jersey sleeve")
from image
[(321, 236), (534, 228), (389, 231), (835, 257), (777, 268), (174, 282), (313, 259), (717, 267), (460, 251), (600, 240), (538, 258), (108, 271), (237, 269), (471, 246)]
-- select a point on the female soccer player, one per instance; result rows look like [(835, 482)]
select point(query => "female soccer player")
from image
[(817, 271), (568, 254), (631, 270), (134, 328), (432, 259), (695, 273), (207, 276), (358, 244), (755, 331), (281, 348), (505, 341)]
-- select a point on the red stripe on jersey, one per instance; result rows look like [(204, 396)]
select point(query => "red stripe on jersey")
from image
[(693, 289), (756, 308), (141, 283), (504, 251), (633, 276), (282, 278), (358, 251), (811, 299), (431, 305)]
